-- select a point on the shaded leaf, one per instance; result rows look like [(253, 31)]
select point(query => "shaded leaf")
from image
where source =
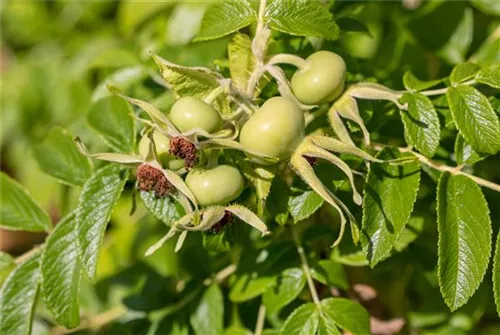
[(241, 60), (487, 6), (330, 273), (224, 18), (302, 18), (277, 202), (7, 264), (61, 273), (58, 157), (475, 118), (421, 123), (110, 117), (304, 205), (208, 317), (246, 287), (496, 274), (18, 210), (288, 286), (303, 321), (464, 244), (18, 297), (455, 50), (99, 195), (464, 154), (389, 194), (412, 83), (347, 314), (163, 208)]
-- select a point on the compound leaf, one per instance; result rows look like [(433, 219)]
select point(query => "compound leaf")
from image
[(61, 273), (208, 317), (18, 210), (475, 118), (289, 285), (347, 314), (303, 321), (464, 244), (389, 194), (301, 18), (58, 157), (18, 297), (99, 195)]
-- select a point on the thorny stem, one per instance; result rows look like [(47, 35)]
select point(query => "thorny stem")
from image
[(443, 167), (259, 67), (306, 268), (259, 326)]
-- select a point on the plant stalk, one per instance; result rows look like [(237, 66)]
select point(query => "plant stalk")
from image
[(306, 268)]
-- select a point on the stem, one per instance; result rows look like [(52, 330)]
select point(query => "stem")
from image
[(306, 268), (260, 320), (296, 61), (444, 90), (221, 275), (260, 23), (209, 99), (443, 167)]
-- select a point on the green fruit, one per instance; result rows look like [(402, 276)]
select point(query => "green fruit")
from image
[(276, 129), (162, 144), (361, 45), (188, 113), (215, 186), (321, 80)]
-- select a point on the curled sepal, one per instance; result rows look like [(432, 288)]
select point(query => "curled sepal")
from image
[(179, 184), (211, 216), (284, 86), (160, 119), (125, 159), (311, 150), (180, 241), (306, 172), (338, 126), (340, 147), (195, 133), (171, 233), (249, 217), (222, 143), (347, 107), (372, 91)]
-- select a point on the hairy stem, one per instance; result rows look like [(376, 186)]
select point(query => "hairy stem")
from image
[(96, 322), (262, 8), (259, 326), (442, 167), (306, 268), (440, 91), (296, 61)]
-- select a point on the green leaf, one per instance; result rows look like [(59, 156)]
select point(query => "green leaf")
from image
[(463, 72), (475, 119), (412, 83), (327, 326), (487, 6), (193, 81), (123, 79), (208, 317), (7, 264), (110, 117), (330, 273), (58, 157), (496, 274), (241, 60), (464, 244), (164, 208), (389, 194), (99, 195), (18, 210), (303, 321), (131, 14), (18, 296), (421, 123), (464, 154), (455, 50), (301, 18), (61, 273), (218, 242), (246, 287), (489, 76), (114, 58), (347, 314), (304, 205), (289, 285), (225, 18)]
